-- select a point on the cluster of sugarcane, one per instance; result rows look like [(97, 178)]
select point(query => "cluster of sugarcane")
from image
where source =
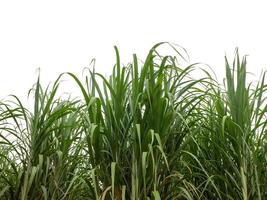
[(148, 131)]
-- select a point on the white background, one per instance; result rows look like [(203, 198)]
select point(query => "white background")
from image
[(59, 36)]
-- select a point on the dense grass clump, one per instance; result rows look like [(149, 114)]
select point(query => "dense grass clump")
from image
[(149, 131)]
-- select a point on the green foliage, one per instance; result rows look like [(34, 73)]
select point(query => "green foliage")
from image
[(148, 131)]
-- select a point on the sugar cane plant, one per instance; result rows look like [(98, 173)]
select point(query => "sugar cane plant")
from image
[(148, 131)]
